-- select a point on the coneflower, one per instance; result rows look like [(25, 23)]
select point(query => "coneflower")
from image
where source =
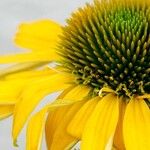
[(102, 68)]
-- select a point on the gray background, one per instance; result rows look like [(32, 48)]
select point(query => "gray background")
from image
[(12, 12)]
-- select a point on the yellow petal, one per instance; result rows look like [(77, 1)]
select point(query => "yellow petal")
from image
[(56, 125), (28, 74), (78, 93), (8, 92), (19, 67), (54, 118), (144, 96), (41, 35), (118, 137), (35, 130), (136, 126), (9, 95), (53, 121), (33, 94), (37, 122), (77, 124), (100, 127), (29, 57), (61, 138), (6, 111)]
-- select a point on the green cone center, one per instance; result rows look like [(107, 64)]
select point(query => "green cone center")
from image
[(109, 45)]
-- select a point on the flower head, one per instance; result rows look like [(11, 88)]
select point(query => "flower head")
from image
[(107, 44), (102, 70)]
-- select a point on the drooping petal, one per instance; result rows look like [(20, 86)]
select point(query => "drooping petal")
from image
[(37, 122), (53, 121), (51, 128), (40, 35), (118, 141), (61, 138), (9, 93), (136, 125), (33, 94), (78, 93), (77, 124), (6, 111), (54, 118), (31, 74), (56, 124), (13, 69), (28, 57), (35, 130), (100, 127)]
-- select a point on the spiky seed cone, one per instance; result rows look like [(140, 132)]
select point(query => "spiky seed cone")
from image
[(108, 44)]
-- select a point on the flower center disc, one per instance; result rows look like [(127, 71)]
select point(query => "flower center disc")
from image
[(108, 44)]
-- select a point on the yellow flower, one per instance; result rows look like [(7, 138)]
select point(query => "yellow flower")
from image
[(99, 62)]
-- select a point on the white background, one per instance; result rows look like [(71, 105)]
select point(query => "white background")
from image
[(12, 12)]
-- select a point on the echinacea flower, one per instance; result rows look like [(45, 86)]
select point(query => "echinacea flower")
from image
[(101, 67)]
